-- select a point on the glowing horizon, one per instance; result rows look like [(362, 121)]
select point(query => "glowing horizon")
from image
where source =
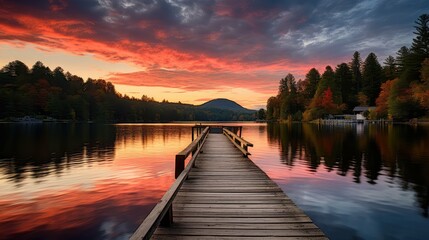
[(188, 51)]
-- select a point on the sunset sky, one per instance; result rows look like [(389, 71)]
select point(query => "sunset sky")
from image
[(194, 51)]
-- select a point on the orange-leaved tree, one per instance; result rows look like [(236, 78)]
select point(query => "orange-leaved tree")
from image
[(382, 101)]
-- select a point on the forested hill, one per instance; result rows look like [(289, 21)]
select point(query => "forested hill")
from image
[(225, 104), (41, 92)]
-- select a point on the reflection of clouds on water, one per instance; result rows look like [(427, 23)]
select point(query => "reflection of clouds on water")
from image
[(343, 210), (113, 230)]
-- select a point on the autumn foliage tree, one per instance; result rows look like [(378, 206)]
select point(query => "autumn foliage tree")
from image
[(327, 101), (322, 106), (382, 101)]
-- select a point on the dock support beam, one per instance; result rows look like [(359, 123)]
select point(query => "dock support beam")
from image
[(167, 220), (180, 165)]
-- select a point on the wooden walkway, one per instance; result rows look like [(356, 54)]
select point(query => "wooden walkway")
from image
[(226, 196)]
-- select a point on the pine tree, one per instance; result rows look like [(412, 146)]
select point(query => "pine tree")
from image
[(419, 49), (401, 59), (372, 78), (344, 76), (312, 79), (287, 96), (420, 43), (283, 86), (355, 66), (390, 69)]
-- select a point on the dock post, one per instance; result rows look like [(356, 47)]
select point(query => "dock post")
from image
[(193, 133), (180, 165), (167, 220)]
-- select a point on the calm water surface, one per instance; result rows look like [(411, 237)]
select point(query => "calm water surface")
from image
[(65, 181)]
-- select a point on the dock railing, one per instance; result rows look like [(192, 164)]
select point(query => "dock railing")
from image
[(191, 148), (198, 128), (162, 213), (239, 142)]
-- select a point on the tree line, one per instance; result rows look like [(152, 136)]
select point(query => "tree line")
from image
[(399, 89), (42, 92)]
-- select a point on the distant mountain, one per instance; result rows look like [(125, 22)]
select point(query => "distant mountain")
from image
[(225, 104)]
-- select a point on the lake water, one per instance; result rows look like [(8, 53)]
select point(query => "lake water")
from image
[(72, 181)]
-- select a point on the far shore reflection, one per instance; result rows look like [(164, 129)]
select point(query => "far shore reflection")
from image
[(400, 152)]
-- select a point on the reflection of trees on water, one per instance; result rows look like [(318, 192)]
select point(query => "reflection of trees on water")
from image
[(287, 135), (38, 150), (42, 149), (400, 152), (149, 133)]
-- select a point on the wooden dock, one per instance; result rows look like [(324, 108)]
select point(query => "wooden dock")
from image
[(222, 194)]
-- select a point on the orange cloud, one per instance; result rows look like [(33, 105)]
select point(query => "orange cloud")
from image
[(198, 80)]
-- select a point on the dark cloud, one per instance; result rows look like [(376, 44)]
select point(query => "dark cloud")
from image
[(248, 33)]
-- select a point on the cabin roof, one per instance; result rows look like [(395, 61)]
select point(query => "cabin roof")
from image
[(362, 108)]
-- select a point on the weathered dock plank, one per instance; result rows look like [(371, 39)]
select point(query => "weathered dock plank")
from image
[(226, 196)]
